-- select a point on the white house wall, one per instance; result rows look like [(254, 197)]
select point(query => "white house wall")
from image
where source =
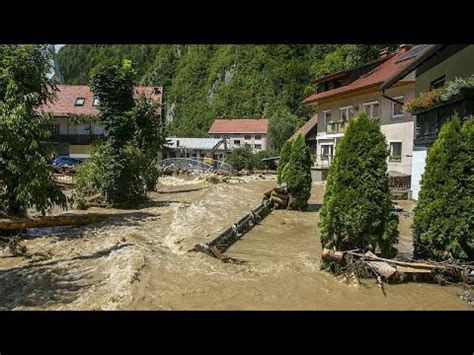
[(418, 167)]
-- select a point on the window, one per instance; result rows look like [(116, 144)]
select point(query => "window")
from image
[(54, 129), (79, 101), (247, 138), (437, 83), (397, 109), (395, 151), (326, 151), (258, 146), (96, 101), (237, 142), (371, 109), (258, 137), (345, 113)]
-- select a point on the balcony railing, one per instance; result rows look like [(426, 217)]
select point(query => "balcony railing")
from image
[(335, 127), (322, 161), (430, 121), (77, 139)]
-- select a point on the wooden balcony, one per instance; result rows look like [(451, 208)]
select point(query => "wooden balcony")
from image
[(76, 139), (430, 121)]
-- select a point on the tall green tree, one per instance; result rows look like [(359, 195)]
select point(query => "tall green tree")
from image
[(444, 222), (357, 211), (283, 160), (26, 178), (297, 174)]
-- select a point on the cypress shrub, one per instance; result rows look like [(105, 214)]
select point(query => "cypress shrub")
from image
[(357, 211), (443, 225), (297, 174), (284, 159)]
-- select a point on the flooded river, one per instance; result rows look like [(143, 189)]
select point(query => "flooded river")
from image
[(138, 260)]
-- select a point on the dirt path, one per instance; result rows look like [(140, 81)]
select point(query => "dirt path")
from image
[(139, 260)]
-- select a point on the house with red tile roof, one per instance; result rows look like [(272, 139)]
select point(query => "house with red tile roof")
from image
[(253, 132), (75, 139), (340, 96)]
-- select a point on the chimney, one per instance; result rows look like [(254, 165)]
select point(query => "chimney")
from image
[(405, 47), (384, 52)]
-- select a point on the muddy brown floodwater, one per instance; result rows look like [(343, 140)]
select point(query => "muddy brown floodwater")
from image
[(138, 259)]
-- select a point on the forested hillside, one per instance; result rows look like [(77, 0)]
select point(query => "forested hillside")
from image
[(202, 82)]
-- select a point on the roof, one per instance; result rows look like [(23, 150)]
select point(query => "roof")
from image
[(375, 77), (222, 125), (343, 72), (193, 143), (308, 126), (425, 52), (66, 96)]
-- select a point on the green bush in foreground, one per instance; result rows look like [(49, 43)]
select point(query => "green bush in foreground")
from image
[(297, 174), (357, 211), (443, 225), (118, 177), (284, 159)]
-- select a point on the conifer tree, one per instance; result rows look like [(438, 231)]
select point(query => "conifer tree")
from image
[(357, 211), (297, 174), (444, 222), (284, 158)]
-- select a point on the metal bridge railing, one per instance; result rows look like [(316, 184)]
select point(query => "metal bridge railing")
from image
[(195, 165)]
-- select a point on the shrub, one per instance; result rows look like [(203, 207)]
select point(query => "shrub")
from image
[(443, 225), (117, 175), (242, 158), (357, 211), (284, 159), (297, 174)]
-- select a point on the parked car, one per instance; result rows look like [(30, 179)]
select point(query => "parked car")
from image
[(65, 162)]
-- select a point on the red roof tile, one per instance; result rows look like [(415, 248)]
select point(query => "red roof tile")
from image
[(64, 103), (308, 126), (374, 77), (239, 126)]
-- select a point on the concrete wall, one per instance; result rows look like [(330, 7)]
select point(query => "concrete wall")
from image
[(400, 132), (418, 167), (461, 64)]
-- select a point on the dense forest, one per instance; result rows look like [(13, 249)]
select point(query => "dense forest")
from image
[(202, 82)]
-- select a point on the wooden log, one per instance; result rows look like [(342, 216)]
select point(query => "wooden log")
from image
[(51, 221), (279, 201), (268, 193), (332, 255), (280, 195)]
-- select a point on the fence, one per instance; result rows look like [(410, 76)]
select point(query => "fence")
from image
[(195, 165)]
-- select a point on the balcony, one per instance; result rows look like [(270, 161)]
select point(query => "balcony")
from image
[(322, 161), (76, 139), (335, 127), (430, 121)]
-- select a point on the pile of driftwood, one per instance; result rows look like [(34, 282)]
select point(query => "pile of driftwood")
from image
[(278, 196), (358, 264)]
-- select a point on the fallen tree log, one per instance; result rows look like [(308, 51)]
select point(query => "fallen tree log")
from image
[(52, 221)]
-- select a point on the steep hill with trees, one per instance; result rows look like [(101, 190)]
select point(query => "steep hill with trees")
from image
[(202, 82)]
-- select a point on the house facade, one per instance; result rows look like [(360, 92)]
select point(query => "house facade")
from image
[(435, 67), (240, 132), (73, 138), (358, 90)]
